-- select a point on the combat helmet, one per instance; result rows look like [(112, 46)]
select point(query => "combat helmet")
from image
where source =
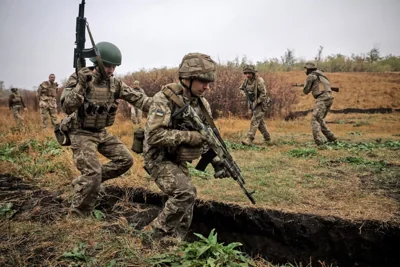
[(136, 82), (110, 53), (197, 66), (310, 65), (14, 89), (249, 68)]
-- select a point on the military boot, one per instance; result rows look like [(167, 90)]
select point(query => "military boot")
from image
[(247, 141)]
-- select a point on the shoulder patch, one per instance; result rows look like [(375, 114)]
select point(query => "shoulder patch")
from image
[(160, 113)]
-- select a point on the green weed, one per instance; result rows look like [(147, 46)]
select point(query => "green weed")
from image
[(363, 161), (302, 152), (78, 254), (205, 252), (361, 123), (237, 146)]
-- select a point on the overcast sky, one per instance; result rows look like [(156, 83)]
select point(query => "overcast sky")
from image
[(37, 36)]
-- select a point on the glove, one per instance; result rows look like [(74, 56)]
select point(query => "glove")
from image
[(84, 76), (219, 169), (269, 102), (193, 138)]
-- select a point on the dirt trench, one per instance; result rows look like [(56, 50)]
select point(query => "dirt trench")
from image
[(278, 236)]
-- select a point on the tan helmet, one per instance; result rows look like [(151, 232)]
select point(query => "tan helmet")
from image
[(197, 66), (136, 82), (249, 68), (310, 65)]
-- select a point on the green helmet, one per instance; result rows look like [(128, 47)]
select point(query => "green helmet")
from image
[(310, 65), (249, 68), (14, 89), (136, 82), (197, 66), (110, 54)]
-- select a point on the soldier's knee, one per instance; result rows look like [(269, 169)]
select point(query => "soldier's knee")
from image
[(127, 162)]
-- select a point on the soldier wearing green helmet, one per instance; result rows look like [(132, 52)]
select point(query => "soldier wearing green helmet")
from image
[(90, 100), (320, 87), (253, 87), (169, 145)]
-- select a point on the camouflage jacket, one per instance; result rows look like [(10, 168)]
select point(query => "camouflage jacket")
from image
[(318, 84), (72, 100), (47, 91), (163, 133), (15, 99), (258, 94)]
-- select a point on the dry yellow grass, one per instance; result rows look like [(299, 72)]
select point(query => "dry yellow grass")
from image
[(282, 182), (357, 90)]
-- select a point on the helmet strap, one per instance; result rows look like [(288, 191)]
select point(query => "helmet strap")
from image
[(189, 88)]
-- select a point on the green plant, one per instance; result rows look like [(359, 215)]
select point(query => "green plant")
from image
[(363, 161), (354, 133), (302, 152), (205, 252), (78, 254), (361, 123), (6, 209), (98, 215), (237, 146)]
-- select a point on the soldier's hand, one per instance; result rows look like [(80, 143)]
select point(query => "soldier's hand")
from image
[(25, 109), (194, 138), (85, 75), (242, 93), (220, 172)]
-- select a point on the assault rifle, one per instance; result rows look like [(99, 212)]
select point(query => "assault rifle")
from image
[(217, 147), (250, 98), (335, 89), (80, 52)]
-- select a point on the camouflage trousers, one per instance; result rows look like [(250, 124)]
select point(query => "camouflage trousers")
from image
[(136, 115), (257, 122), (53, 115), (318, 124), (174, 180), (84, 146), (17, 116)]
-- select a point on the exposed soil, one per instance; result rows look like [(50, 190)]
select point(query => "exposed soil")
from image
[(280, 237)]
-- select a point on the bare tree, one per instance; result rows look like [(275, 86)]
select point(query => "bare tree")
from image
[(288, 59), (374, 54), (319, 54)]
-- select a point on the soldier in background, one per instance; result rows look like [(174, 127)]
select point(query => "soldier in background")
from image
[(46, 94), (136, 114), (169, 145), (16, 103), (90, 100), (253, 87), (318, 84)]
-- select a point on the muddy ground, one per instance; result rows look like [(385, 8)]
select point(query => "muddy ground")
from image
[(278, 236)]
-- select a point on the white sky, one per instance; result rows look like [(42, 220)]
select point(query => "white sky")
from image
[(37, 36)]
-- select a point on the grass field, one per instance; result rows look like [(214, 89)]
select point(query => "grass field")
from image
[(355, 179)]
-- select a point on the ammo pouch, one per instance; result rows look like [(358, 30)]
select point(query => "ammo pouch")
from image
[(97, 116), (188, 153), (138, 137)]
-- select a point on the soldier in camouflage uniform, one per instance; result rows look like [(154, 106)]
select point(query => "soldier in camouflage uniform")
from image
[(16, 103), (253, 87), (46, 94), (136, 114), (91, 102), (169, 145), (318, 84)]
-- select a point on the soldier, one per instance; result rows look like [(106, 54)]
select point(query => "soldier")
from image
[(318, 84), (136, 114), (46, 94), (15, 102), (259, 101), (169, 144), (91, 100)]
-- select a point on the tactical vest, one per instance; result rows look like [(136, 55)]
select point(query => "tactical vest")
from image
[(324, 86), (16, 100), (252, 88), (99, 108), (49, 89)]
